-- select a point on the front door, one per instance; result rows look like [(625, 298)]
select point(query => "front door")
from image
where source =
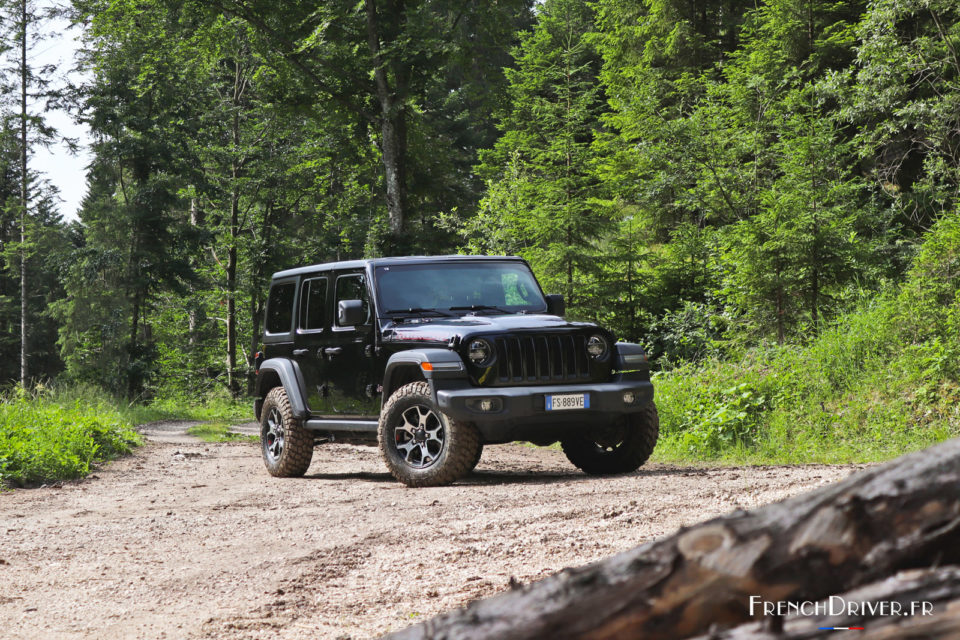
[(347, 364)]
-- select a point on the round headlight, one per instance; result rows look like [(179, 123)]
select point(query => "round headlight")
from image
[(596, 346), (480, 352)]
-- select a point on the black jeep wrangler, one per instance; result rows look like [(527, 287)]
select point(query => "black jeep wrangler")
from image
[(432, 358)]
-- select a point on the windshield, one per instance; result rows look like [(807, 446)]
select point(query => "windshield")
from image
[(480, 287)]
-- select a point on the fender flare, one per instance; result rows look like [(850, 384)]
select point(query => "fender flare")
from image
[(290, 377), (444, 364), (631, 360)]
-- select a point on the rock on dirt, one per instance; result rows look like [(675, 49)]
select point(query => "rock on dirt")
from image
[(192, 540)]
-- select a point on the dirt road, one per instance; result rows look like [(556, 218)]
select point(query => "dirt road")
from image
[(193, 540)]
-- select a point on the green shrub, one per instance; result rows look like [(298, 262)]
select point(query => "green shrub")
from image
[(882, 380), (214, 405), (43, 438)]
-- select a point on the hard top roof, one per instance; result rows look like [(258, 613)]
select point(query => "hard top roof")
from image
[(384, 262)]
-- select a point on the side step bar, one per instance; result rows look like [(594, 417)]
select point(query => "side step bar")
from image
[(338, 426)]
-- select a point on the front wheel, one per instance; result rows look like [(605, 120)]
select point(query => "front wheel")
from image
[(421, 446), (621, 447)]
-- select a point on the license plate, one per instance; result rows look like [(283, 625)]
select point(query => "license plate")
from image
[(568, 401)]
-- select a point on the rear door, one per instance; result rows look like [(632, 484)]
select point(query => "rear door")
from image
[(312, 335), (278, 332)]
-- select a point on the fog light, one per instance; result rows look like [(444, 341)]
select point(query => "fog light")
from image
[(629, 397), (487, 405)]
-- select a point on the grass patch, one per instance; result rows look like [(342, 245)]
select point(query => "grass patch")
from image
[(856, 394), (45, 438), (218, 406), (218, 432), (215, 407)]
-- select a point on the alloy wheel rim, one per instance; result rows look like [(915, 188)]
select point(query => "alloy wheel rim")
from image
[(420, 438), (609, 439), (273, 435)]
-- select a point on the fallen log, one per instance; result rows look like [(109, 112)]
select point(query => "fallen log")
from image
[(901, 515)]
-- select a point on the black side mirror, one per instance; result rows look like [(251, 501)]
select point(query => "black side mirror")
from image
[(350, 313), (556, 305)]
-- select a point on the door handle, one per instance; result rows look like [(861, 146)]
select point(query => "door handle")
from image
[(332, 351), (300, 352)]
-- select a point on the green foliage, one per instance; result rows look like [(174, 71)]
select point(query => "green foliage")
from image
[(881, 380), (217, 405), (540, 184), (706, 178), (694, 332), (903, 98), (723, 422), (46, 437)]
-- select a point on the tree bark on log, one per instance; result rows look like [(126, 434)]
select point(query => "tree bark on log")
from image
[(901, 515)]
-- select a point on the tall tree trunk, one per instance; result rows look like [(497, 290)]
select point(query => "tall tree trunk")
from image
[(236, 167), (232, 296), (24, 311), (256, 294), (135, 293), (134, 381), (232, 267), (391, 127), (196, 217), (781, 311)]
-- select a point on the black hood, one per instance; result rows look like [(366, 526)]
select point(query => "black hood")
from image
[(443, 330)]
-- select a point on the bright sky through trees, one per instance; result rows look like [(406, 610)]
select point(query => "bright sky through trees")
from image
[(64, 170)]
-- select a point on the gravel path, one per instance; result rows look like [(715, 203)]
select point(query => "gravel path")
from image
[(191, 540)]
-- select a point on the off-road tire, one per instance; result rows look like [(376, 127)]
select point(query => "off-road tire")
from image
[(293, 459), (639, 433), (460, 448), (476, 458)]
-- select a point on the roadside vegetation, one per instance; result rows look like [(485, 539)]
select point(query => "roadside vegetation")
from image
[(882, 380), (765, 194), (45, 436), (63, 432)]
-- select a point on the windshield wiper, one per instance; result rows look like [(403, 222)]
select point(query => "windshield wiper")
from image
[(480, 307), (419, 310)]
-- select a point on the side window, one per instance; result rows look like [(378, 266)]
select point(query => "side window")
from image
[(352, 287), (313, 304), (280, 307)]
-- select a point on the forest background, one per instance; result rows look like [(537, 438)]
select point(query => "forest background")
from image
[(765, 194)]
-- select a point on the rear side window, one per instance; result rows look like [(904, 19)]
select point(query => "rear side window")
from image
[(280, 307), (353, 287), (313, 304)]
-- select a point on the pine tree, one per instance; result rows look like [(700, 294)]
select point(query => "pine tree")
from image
[(540, 182), (21, 23)]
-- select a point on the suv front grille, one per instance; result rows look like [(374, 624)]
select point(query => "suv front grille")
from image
[(541, 359)]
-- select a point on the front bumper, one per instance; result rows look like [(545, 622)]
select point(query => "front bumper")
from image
[(521, 405)]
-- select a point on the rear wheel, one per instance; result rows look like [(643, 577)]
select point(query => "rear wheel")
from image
[(421, 446), (285, 444), (621, 447)]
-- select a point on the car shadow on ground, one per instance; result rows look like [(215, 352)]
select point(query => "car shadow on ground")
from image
[(504, 476), (490, 477), (353, 475)]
